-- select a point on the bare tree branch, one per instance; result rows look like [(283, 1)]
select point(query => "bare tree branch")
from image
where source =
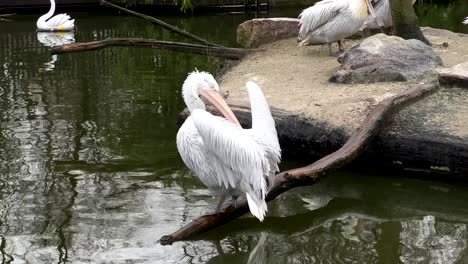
[(222, 52), (163, 24), (310, 174)]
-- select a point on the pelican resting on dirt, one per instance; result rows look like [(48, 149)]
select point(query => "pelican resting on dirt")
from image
[(332, 20), (230, 160), (60, 22), (383, 13)]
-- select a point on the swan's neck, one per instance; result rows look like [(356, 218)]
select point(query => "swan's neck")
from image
[(50, 13)]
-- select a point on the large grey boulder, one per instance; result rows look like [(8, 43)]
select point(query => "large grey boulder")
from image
[(382, 58), (256, 32), (454, 76)]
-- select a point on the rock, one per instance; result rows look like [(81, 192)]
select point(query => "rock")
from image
[(438, 33), (256, 32), (454, 76), (382, 58)]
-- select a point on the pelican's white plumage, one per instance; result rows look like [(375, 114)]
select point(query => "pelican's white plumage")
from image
[(332, 20), (466, 21), (228, 159), (60, 22), (383, 13)]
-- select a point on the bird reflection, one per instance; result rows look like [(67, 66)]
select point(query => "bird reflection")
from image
[(52, 39), (429, 241), (50, 65), (258, 255)]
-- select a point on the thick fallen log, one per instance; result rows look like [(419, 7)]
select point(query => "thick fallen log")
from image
[(163, 24), (222, 52), (310, 174)]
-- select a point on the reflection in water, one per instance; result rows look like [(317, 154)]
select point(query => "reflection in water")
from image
[(49, 66), (425, 241), (258, 255), (89, 171), (51, 39)]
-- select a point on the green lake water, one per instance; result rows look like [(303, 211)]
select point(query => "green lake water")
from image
[(89, 170)]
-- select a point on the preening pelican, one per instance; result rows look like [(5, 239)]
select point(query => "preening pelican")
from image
[(332, 20), (60, 22), (383, 13), (230, 160), (466, 21)]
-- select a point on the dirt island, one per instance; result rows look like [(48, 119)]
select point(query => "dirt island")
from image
[(315, 117)]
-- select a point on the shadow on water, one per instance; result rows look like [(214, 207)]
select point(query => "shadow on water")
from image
[(89, 172), (362, 218)]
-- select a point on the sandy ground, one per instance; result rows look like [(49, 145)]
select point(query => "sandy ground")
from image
[(295, 79)]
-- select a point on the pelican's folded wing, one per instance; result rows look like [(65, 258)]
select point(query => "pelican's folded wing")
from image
[(263, 128), (319, 14), (237, 156)]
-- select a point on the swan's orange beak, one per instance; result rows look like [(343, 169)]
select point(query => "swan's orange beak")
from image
[(217, 100), (371, 10)]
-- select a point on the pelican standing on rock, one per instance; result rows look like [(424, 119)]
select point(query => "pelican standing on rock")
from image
[(230, 160), (60, 22), (332, 20)]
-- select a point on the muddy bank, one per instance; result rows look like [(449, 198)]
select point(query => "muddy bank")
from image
[(315, 117)]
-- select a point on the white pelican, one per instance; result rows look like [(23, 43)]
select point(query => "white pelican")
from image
[(230, 160), (332, 20), (383, 13), (466, 21), (60, 22)]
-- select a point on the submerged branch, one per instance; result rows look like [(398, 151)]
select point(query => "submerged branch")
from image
[(6, 15), (310, 174), (163, 24), (222, 52)]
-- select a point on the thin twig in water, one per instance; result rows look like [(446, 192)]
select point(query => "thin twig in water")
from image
[(162, 23)]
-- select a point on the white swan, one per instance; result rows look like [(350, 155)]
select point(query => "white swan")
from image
[(60, 22)]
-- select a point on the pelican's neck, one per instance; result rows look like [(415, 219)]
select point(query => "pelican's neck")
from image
[(50, 13), (193, 102), (358, 7)]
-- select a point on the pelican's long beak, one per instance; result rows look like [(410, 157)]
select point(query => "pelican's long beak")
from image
[(217, 100), (371, 10)]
